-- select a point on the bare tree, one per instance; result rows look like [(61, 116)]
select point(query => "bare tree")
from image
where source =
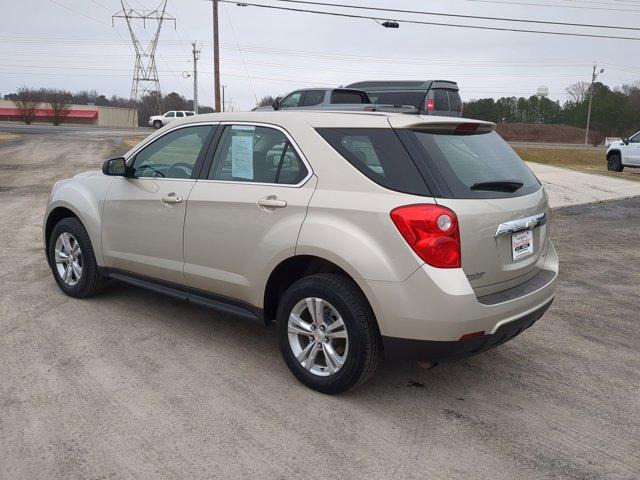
[(578, 92), (27, 102), (268, 100), (60, 102)]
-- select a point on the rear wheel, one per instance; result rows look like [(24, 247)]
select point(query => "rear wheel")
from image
[(157, 124), (72, 260), (327, 332), (614, 163)]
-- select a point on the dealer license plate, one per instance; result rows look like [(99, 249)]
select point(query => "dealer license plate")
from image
[(522, 244)]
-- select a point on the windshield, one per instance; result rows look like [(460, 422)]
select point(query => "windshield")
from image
[(480, 165)]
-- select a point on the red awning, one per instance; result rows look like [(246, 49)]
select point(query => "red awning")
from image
[(46, 113)]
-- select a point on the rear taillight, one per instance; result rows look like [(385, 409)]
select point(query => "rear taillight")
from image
[(430, 105), (432, 232)]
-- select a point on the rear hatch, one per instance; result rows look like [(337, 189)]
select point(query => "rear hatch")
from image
[(500, 204)]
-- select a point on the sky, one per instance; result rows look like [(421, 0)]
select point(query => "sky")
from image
[(72, 44)]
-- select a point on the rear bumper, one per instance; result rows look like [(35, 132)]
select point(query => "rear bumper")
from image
[(439, 306), (407, 349)]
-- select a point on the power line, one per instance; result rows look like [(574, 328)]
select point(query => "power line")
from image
[(457, 15), (533, 4), (439, 24)]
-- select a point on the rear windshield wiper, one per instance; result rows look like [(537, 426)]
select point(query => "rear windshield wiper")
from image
[(498, 186)]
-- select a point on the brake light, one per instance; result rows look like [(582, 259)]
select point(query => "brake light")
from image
[(466, 129), (430, 105), (432, 232)]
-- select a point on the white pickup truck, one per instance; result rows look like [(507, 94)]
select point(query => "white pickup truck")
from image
[(624, 153)]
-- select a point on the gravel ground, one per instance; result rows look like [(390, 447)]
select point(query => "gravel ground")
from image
[(131, 384)]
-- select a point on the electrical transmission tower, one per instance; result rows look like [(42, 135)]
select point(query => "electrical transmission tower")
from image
[(145, 74)]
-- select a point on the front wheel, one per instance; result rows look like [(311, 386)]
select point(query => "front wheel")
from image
[(614, 163), (157, 124), (72, 260), (328, 334)]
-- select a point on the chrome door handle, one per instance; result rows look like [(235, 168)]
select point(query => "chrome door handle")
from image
[(171, 198), (271, 202)]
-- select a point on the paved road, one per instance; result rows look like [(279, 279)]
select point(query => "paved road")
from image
[(131, 384), (74, 130), (569, 187)]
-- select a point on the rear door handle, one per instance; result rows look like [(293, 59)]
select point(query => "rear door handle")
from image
[(271, 202), (171, 198)]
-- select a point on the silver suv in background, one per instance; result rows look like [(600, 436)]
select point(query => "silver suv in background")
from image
[(337, 99), (429, 97), (361, 235)]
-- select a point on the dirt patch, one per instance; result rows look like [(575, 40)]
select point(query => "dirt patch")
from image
[(9, 137), (130, 142), (581, 159), (524, 132)]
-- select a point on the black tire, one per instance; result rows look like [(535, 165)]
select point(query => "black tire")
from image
[(91, 281), (614, 163), (157, 124), (365, 343)]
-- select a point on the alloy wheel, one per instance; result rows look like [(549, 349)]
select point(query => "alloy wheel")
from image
[(68, 258), (318, 336)]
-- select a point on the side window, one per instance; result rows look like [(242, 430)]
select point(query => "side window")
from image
[(173, 155), (313, 97), (170, 114), (343, 96), (635, 138), (249, 153), (291, 100), (179, 114), (189, 114), (380, 155)]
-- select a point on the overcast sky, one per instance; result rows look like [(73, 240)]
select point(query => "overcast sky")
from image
[(44, 44)]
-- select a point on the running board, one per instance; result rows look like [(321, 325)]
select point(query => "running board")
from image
[(198, 297)]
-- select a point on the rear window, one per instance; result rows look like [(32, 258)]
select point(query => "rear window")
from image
[(380, 155), (455, 103), (441, 100), (415, 99), (474, 166), (340, 96)]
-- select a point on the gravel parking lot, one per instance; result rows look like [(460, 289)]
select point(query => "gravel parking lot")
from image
[(131, 384)]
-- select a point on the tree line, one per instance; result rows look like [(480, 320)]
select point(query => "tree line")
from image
[(614, 112), (58, 103)]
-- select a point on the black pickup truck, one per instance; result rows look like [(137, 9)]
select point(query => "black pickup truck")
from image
[(429, 97)]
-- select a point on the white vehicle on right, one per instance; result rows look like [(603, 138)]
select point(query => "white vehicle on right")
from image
[(624, 153)]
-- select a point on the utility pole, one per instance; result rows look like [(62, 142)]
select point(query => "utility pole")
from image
[(196, 57), (223, 104), (594, 76), (145, 74), (216, 57)]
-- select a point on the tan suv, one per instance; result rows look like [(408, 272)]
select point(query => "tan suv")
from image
[(360, 234)]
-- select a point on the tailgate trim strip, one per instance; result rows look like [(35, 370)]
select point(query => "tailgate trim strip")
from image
[(516, 226)]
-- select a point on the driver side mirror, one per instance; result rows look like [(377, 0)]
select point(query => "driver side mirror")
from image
[(625, 141), (276, 104), (115, 167)]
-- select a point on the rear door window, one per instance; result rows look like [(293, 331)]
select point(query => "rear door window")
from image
[(313, 97), (380, 155), (477, 166), (247, 153)]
